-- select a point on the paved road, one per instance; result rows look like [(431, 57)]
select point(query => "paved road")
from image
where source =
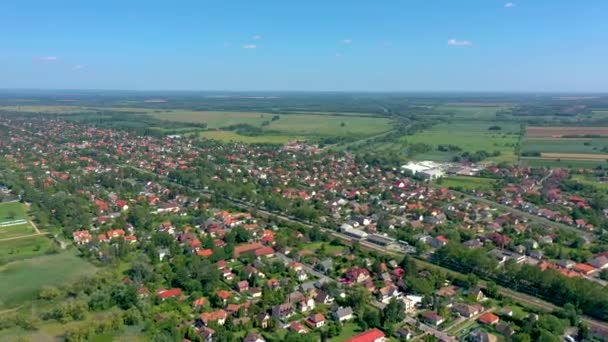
[(529, 300), (430, 330)]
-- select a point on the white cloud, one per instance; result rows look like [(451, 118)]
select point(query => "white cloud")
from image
[(338, 55), (456, 42), (48, 59), (78, 67), (509, 4), (250, 46), (346, 41), (256, 37)]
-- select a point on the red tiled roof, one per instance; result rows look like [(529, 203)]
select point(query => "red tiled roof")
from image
[(367, 336), (488, 318), (169, 293)]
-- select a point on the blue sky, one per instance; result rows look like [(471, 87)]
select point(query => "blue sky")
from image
[(354, 45)]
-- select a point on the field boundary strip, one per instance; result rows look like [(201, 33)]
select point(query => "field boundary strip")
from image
[(12, 223)]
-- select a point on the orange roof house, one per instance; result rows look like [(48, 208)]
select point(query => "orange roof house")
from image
[(488, 318)]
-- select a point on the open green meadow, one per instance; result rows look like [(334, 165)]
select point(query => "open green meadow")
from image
[(467, 183), (471, 136), (12, 211), (572, 164), (23, 248), (472, 112), (14, 231), (21, 280), (229, 136), (557, 145)]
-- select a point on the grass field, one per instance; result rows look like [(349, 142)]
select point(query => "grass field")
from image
[(468, 111), (547, 131), (468, 183), (14, 231), (349, 330), (22, 279), (575, 156), (228, 136), (315, 246), (24, 248), (582, 164), (288, 124), (12, 211), (552, 145), (472, 136)]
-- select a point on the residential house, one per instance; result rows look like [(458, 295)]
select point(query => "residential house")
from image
[(316, 321), (477, 294), (342, 314), (263, 320), (283, 312), (357, 274), (242, 286), (387, 293), (254, 337), (82, 237), (373, 335), (404, 334), (409, 305), (505, 329), (166, 294), (325, 266), (297, 328), (466, 310), (488, 318), (218, 316), (479, 335), (432, 318)]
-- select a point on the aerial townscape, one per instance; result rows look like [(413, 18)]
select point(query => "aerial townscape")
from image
[(131, 223), (303, 171)]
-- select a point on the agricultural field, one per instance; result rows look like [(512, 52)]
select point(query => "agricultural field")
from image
[(22, 279), (565, 146), (229, 136), (467, 183), (472, 112), (471, 136), (288, 124), (288, 127), (571, 164), (556, 145), (559, 132)]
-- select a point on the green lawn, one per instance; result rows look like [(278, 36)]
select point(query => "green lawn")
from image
[(349, 330), (28, 247), (467, 183), (472, 136), (12, 211), (13, 231), (315, 246), (21, 280)]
